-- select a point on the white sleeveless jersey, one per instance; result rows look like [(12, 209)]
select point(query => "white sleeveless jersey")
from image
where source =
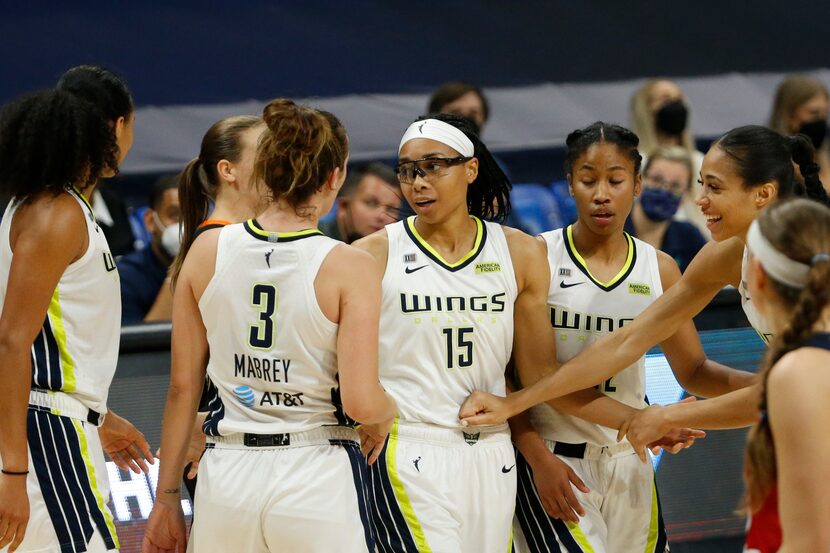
[(273, 353), (446, 329), (755, 318), (582, 310), (76, 350)]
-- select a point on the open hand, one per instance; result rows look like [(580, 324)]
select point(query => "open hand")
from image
[(648, 428), (555, 481), (14, 510), (125, 444)]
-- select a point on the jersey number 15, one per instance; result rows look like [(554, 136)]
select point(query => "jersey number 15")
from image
[(459, 346)]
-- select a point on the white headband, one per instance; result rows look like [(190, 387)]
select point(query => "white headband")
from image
[(440, 132), (776, 264)]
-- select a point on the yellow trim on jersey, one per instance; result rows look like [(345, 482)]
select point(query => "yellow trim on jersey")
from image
[(510, 545), (83, 198), (67, 363), (580, 537), (294, 234), (581, 261), (654, 526), (410, 222), (90, 468), (400, 492)]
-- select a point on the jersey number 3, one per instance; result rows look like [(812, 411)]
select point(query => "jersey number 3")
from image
[(261, 334), (459, 346)]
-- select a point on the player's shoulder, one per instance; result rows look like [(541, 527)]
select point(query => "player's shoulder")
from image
[(524, 247), (376, 245)]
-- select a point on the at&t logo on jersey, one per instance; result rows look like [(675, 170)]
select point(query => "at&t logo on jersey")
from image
[(245, 395)]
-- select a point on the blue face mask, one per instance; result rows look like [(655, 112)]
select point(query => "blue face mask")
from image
[(659, 204)]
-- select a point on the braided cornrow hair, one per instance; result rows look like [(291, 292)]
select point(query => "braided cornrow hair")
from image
[(800, 229)]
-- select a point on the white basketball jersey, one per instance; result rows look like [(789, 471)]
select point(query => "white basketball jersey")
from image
[(582, 310), (76, 350), (446, 329), (755, 318), (273, 353)]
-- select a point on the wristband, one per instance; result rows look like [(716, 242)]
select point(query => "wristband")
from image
[(14, 472)]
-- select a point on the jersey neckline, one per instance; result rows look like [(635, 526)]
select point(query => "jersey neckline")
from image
[(253, 228), (74, 189), (628, 266), (430, 252)]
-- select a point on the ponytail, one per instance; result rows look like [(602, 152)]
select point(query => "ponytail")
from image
[(803, 154), (194, 200)]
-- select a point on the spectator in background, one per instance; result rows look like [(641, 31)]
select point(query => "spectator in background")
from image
[(145, 287), (801, 105), (460, 98), (659, 114), (369, 200), (667, 177)]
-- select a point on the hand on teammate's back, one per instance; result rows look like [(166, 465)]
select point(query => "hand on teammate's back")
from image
[(373, 438), (125, 444)]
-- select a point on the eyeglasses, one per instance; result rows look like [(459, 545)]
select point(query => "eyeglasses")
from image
[(428, 168)]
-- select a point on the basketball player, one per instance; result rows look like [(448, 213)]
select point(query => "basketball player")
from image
[(601, 279), (789, 281), (60, 322), (743, 173), (219, 177), (454, 283), (279, 308)]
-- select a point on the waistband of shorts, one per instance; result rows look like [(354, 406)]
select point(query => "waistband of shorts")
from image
[(588, 451), (323, 435), (64, 405), (451, 437)]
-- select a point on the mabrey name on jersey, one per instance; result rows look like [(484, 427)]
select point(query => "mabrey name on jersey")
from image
[(261, 368)]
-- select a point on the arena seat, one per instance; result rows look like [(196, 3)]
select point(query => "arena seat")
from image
[(566, 202), (536, 208)]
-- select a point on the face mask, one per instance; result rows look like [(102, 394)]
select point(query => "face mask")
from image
[(816, 130), (659, 204), (671, 118), (171, 236)]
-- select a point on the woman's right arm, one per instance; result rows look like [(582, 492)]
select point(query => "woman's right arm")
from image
[(717, 265), (47, 236), (189, 352)]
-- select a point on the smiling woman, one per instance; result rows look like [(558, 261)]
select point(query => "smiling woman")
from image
[(743, 173)]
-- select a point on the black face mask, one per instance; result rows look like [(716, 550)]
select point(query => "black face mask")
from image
[(816, 130), (671, 118)]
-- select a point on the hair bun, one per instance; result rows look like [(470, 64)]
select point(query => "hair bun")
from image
[(278, 111)]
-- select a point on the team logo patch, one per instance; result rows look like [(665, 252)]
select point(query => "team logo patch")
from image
[(245, 395), (409, 258), (564, 272), (471, 439), (488, 267), (641, 289)]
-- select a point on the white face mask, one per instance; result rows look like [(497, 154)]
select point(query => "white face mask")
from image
[(171, 236)]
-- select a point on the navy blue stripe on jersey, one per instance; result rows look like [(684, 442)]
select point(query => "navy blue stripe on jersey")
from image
[(662, 539), (819, 340), (565, 536), (46, 360), (56, 496), (359, 475), (536, 525), (389, 519), (81, 470), (74, 475), (216, 410)]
